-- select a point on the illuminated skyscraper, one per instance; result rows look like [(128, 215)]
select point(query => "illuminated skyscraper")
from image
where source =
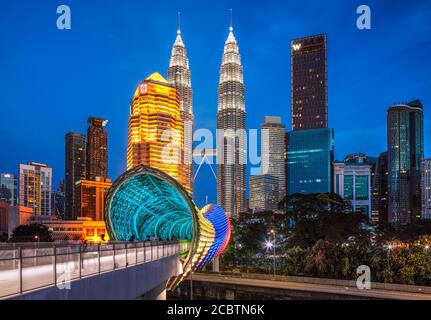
[(179, 77), (231, 136), (97, 149), (76, 155), (156, 130), (309, 83), (35, 186), (405, 151)]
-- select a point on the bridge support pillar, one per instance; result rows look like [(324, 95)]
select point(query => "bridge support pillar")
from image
[(216, 264)]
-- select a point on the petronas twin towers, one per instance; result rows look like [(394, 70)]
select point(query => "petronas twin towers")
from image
[(231, 117)]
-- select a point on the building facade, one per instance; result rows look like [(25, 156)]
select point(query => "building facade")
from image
[(4, 212), (156, 130), (309, 158), (405, 151), (90, 195), (179, 77), (57, 203), (9, 189), (426, 188), (264, 193), (380, 193), (19, 215), (273, 152), (352, 181), (75, 169), (231, 135), (35, 187), (309, 93), (97, 149)]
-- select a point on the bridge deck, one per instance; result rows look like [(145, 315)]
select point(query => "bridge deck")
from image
[(24, 269)]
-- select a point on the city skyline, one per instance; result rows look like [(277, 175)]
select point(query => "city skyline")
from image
[(103, 87)]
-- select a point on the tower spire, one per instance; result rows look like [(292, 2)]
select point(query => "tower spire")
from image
[(179, 23), (230, 27)]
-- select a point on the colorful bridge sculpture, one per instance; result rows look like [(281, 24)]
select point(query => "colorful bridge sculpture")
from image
[(146, 202)]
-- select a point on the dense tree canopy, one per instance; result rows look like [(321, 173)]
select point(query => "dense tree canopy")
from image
[(31, 233)]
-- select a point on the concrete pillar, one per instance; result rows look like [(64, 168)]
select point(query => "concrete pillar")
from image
[(216, 264)]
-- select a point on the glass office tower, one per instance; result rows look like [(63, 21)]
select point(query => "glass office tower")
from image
[(8, 189), (405, 151), (310, 154)]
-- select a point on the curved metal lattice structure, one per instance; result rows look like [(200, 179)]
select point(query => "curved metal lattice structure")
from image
[(145, 202)]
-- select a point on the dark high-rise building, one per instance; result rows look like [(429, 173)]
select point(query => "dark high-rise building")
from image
[(57, 201), (309, 94), (405, 151), (76, 146), (231, 135), (97, 149), (379, 200)]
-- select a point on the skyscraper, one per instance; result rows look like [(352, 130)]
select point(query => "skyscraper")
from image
[(76, 155), (8, 189), (263, 192), (273, 151), (156, 130), (426, 188), (405, 151), (310, 154), (35, 186), (309, 94), (97, 149), (231, 135), (380, 197), (179, 77)]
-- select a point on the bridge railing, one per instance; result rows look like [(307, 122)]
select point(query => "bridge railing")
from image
[(28, 267)]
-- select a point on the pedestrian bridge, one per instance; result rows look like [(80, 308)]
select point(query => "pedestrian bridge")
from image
[(117, 270)]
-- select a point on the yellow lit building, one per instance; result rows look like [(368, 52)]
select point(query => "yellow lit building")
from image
[(156, 129), (90, 198)]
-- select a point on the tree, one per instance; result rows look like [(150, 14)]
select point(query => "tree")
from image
[(325, 217), (31, 233)]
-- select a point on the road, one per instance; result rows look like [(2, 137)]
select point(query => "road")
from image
[(310, 287)]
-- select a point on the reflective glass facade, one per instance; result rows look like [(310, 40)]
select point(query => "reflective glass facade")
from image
[(309, 161), (8, 189), (352, 182), (405, 151)]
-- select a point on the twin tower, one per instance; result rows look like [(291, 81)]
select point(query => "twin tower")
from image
[(161, 124)]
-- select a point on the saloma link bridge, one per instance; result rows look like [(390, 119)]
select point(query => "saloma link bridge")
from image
[(144, 203)]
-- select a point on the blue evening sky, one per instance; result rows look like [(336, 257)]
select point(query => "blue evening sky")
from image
[(52, 80)]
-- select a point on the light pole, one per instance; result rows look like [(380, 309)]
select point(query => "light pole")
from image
[(273, 246)]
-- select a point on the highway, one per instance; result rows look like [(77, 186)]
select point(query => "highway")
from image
[(311, 287)]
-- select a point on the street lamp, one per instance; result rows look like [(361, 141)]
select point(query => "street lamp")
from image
[(273, 232)]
